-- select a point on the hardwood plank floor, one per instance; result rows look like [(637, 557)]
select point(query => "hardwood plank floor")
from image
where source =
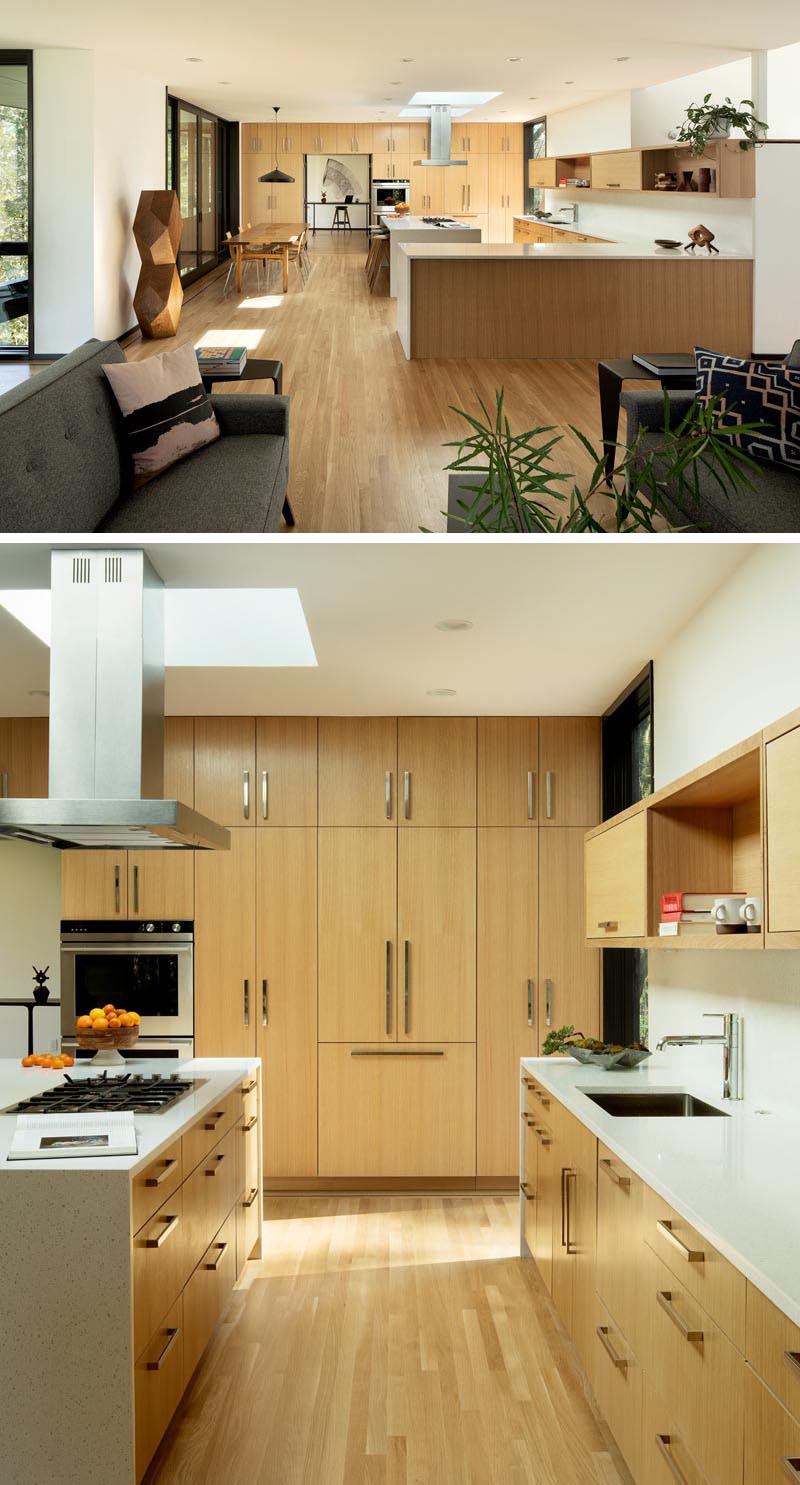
[(388, 1341)]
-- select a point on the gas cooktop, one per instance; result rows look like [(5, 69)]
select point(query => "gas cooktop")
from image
[(137, 1093)]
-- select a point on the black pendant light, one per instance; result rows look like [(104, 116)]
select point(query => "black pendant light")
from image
[(276, 176)]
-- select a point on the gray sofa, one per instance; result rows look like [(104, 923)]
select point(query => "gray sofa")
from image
[(65, 467)]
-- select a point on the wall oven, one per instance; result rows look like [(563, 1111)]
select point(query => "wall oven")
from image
[(143, 967), (386, 194)]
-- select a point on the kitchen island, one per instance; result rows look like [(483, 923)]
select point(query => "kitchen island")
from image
[(565, 301), (407, 228), (116, 1270)]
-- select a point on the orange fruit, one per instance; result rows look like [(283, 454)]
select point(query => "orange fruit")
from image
[(57, 1062), (27, 1062), (84, 1023), (100, 1024), (126, 1019), (67, 1061), (113, 1022), (121, 1011), (136, 1017), (37, 1060), (108, 1010), (95, 1012)]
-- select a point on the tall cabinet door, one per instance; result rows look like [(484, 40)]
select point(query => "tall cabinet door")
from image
[(23, 757), (569, 974), (436, 935), (357, 770), (436, 762), (179, 759), (507, 968), (286, 771), (286, 998), (569, 763), (161, 884), (508, 763), (225, 949), (357, 925), (94, 884), (224, 769)]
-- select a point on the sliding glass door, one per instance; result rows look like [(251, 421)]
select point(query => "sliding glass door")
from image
[(197, 168), (16, 278)]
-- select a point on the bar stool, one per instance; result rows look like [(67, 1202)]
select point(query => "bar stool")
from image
[(341, 219), (378, 259)]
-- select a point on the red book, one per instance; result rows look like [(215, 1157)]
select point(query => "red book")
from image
[(689, 902)]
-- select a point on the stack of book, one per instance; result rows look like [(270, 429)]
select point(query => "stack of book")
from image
[(685, 913), (221, 360)]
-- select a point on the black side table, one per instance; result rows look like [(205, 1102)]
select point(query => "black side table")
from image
[(254, 371), (30, 1006), (611, 375)]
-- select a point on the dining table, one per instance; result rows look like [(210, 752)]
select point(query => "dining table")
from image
[(283, 234)]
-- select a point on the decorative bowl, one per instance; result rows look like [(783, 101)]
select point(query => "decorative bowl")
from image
[(609, 1061), (106, 1043), (667, 242)]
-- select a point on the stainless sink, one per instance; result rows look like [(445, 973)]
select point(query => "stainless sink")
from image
[(656, 1106)]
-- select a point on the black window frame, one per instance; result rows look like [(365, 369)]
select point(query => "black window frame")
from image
[(227, 185), (532, 194), (16, 57)]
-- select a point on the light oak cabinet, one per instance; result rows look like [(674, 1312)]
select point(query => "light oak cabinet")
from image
[(772, 1347), (505, 139), (286, 999), (318, 139), (620, 1238), (615, 863), (569, 972), (158, 1384), (771, 1437), (782, 756), (436, 760), (179, 759), (617, 1379), (23, 757), (160, 884), (618, 170), (569, 771), (354, 139), (357, 932), (508, 763), (286, 771), (507, 988), (505, 195), (357, 771), (663, 1455), (542, 174), (466, 187), (94, 884), (469, 138), (225, 949), (224, 769), (574, 1202), (436, 935), (427, 189)]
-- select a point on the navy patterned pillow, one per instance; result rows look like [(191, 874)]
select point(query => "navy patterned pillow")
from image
[(764, 392)]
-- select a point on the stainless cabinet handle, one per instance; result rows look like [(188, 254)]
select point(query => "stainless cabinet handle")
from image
[(407, 793), (663, 1441), (4, 785), (221, 1248), (548, 1002), (246, 793), (531, 780), (530, 1002), (602, 1335), (692, 1255), (388, 794), (388, 987), (624, 1182), (264, 794), (156, 1180), (247, 1002), (136, 889), (172, 1223), (406, 991), (172, 1336), (264, 1002), (116, 889), (664, 1297), (548, 784)]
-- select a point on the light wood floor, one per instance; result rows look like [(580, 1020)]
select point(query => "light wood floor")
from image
[(388, 1341)]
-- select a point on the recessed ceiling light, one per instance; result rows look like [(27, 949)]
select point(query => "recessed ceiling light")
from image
[(38, 693), (441, 691), (395, 84), (406, 59), (223, 82), (194, 59), (570, 82), (622, 59), (451, 625), (533, 97), (515, 59)]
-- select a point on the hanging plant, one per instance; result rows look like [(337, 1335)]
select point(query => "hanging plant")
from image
[(707, 122)]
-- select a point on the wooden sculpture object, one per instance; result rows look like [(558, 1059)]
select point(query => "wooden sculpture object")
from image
[(157, 229), (702, 238)]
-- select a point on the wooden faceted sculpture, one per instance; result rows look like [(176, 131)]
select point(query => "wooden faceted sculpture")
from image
[(702, 238), (157, 229)]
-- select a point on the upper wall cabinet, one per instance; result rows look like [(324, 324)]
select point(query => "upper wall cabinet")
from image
[(619, 170), (286, 771), (508, 766), (224, 769), (23, 757), (782, 755), (616, 881), (436, 762), (354, 139), (569, 771), (358, 771), (318, 139), (504, 139)]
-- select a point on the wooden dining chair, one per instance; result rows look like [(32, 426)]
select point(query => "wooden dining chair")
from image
[(378, 259), (234, 248), (298, 253)]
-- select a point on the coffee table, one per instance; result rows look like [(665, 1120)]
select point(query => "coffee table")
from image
[(254, 371), (611, 375)]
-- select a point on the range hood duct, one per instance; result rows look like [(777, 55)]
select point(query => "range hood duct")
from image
[(106, 771), (441, 127)]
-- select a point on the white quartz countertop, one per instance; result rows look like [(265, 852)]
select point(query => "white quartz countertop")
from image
[(733, 1178), (409, 223), (154, 1131), (585, 251)]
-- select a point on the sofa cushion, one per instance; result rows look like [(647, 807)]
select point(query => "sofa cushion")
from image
[(166, 410), (755, 392), (61, 455), (235, 484)]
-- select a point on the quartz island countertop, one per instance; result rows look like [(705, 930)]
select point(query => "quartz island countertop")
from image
[(409, 228), (732, 1178)]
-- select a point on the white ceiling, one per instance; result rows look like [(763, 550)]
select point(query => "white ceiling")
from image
[(344, 61), (559, 627)]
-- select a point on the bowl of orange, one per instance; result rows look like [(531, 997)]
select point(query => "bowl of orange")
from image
[(105, 1030)]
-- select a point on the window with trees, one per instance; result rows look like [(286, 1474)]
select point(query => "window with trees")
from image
[(16, 259)]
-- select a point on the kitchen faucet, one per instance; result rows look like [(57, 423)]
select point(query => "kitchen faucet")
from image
[(729, 1041)]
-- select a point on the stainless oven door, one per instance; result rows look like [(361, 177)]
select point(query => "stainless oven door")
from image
[(155, 980)]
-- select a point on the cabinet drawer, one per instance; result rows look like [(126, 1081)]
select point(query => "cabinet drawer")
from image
[(714, 1282), (151, 1187), (697, 1371), (773, 1348), (615, 865), (663, 1456), (249, 1135), (157, 1385), (158, 1268), (528, 1191), (209, 1129), (249, 1212), (206, 1294), (771, 1437), (616, 1377), (208, 1196), (537, 1100), (620, 1196), (620, 170)]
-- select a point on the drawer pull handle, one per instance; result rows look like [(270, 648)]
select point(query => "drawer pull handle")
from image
[(663, 1444), (251, 1124), (172, 1223), (172, 1336), (622, 1181), (526, 1192), (619, 1361), (529, 1120), (791, 1467), (162, 1176), (264, 794), (529, 1084), (401, 1052), (692, 1255), (388, 794), (248, 1087), (792, 1359), (542, 1097), (246, 793), (213, 1119), (548, 783), (407, 794), (531, 778), (542, 1136), (248, 1201), (221, 1248), (611, 924), (664, 1297), (213, 1171)]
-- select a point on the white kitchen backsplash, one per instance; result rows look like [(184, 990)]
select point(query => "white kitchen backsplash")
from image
[(637, 218)]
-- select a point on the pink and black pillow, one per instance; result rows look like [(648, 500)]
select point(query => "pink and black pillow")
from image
[(166, 411)]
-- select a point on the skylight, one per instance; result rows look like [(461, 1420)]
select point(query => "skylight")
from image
[(31, 606), (456, 100)]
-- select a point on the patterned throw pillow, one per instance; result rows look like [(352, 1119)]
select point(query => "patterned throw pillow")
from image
[(166, 410), (765, 392)]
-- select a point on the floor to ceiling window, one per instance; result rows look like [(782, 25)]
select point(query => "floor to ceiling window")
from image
[(627, 778), (199, 155), (534, 148), (16, 255)]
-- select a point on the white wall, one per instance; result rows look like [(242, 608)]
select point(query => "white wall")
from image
[(63, 150), (30, 891), (731, 671), (129, 157), (783, 92), (656, 110), (603, 124), (643, 218)]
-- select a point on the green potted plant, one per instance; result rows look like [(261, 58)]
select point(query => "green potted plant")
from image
[(707, 123)]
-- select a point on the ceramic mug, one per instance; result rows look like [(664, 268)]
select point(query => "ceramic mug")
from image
[(750, 912), (726, 911)]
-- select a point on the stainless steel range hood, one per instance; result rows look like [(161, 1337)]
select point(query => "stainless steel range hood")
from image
[(107, 716), (441, 126)]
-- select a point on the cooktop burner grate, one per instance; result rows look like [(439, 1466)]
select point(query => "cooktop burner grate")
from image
[(138, 1093)]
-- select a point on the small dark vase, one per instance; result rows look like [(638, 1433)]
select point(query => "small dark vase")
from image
[(687, 181), (41, 993), (704, 175)]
